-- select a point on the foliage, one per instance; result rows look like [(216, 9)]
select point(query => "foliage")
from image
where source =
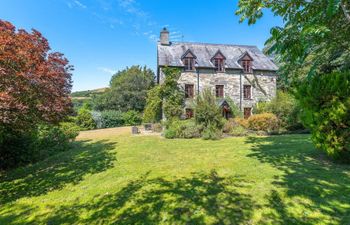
[(285, 107), (112, 118), (153, 109), (20, 148), (314, 38), (207, 111), (183, 129), (241, 121), (170, 133), (326, 103), (235, 111), (85, 120), (97, 117), (128, 90), (263, 122), (171, 94), (211, 132), (34, 89), (132, 118), (239, 131)]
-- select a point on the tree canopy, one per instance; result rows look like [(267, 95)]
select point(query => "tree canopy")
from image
[(128, 90), (34, 84), (315, 37)]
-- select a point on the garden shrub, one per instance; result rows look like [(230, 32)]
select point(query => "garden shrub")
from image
[(211, 132), (263, 122), (239, 131), (241, 121), (325, 100), (97, 117), (70, 130), (85, 120), (132, 118), (184, 129), (207, 111), (112, 118), (170, 133), (285, 107)]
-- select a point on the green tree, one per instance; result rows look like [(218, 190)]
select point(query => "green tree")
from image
[(128, 90), (314, 38)]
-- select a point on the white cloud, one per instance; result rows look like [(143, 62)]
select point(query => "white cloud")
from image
[(81, 5), (108, 70)]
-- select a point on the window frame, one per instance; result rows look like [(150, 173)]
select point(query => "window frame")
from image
[(189, 63), (217, 88), (250, 95), (219, 64), (247, 65), (187, 94)]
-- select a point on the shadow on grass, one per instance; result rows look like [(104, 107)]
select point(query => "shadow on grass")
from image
[(313, 182), (56, 171), (199, 199)]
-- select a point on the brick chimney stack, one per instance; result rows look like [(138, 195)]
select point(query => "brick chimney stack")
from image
[(164, 37)]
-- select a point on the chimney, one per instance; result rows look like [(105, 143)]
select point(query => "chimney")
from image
[(164, 37)]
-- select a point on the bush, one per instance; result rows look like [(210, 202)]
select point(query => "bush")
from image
[(207, 112), (325, 100), (285, 107), (211, 133), (239, 131), (85, 120), (242, 122), (132, 118), (97, 117), (170, 133), (112, 118), (263, 122), (183, 129), (20, 148)]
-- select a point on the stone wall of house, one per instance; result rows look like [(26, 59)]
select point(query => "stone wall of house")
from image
[(263, 84)]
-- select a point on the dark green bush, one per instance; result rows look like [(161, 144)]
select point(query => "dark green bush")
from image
[(132, 118), (207, 111), (153, 109), (20, 148), (183, 129), (112, 118), (325, 100)]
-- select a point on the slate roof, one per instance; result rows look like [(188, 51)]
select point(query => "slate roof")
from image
[(170, 55)]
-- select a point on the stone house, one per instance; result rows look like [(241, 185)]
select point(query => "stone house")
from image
[(239, 72)]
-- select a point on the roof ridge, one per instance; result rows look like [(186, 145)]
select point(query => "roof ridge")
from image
[(204, 43)]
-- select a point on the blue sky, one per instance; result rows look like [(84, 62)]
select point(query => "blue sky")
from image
[(100, 37)]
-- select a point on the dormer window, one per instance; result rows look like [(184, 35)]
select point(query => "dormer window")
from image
[(219, 62), (189, 60), (247, 66), (189, 63), (246, 63)]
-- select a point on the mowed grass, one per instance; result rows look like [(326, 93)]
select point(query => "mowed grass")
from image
[(111, 177)]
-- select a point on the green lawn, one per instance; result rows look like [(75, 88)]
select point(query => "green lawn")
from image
[(111, 178)]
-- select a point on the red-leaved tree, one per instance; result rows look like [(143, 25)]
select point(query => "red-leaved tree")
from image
[(34, 83)]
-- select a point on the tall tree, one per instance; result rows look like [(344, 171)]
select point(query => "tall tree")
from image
[(128, 90), (34, 84), (315, 36)]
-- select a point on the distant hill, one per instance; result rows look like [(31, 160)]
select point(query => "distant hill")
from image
[(79, 98), (88, 93)]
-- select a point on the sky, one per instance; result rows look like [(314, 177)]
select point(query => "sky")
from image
[(101, 37)]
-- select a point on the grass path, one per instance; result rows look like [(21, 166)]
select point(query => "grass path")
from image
[(110, 177)]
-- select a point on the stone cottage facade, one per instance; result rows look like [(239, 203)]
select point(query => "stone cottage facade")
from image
[(239, 72)]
